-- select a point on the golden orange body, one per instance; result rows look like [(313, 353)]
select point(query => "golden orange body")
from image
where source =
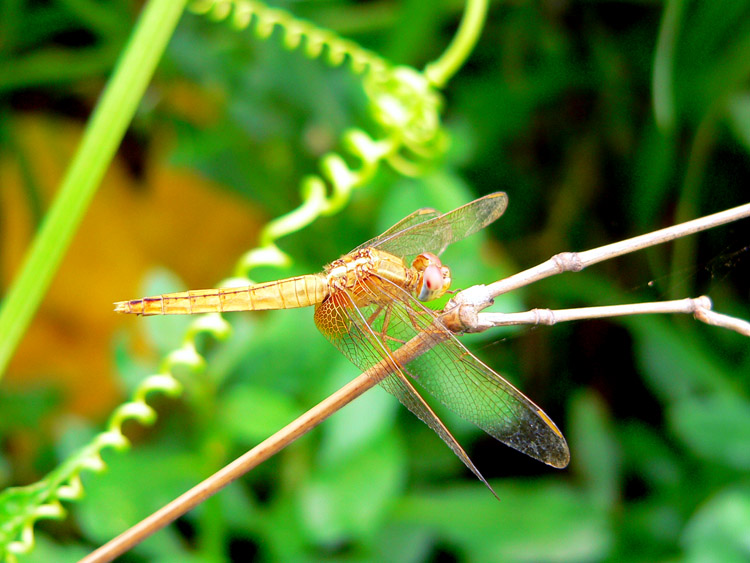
[(349, 272)]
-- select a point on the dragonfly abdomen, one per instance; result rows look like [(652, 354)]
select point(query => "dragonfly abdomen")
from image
[(290, 293)]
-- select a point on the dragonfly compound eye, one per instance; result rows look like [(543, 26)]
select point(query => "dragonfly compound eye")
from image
[(434, 278)]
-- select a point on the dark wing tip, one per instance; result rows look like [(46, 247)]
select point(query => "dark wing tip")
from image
[(560, 457), (558, 453)]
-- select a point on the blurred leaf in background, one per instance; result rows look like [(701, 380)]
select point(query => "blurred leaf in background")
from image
[(555, 107)]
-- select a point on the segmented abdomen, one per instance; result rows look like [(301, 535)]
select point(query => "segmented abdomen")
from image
[(301, 291)]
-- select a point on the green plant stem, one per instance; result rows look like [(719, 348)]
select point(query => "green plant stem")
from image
[(103, 134), (662, 77), (440, 71)]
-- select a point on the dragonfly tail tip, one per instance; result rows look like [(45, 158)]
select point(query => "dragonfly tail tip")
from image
[(122, 307)]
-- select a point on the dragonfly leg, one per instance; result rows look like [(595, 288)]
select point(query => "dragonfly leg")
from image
[(374, 315), (420, 327), (383, 332)]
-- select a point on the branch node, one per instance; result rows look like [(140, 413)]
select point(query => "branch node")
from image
[(701, 304), (568, 262), (544, 317)]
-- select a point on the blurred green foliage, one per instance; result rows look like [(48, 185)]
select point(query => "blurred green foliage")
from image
[(555, 107)]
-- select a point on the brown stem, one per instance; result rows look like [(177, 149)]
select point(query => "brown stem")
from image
[(269, 447)]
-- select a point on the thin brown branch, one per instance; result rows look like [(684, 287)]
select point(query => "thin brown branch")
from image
[(551, 317), (269, 447), (213, 484), (460, 318), (723, 321), (699, 307), (481, 296), (462, 314)]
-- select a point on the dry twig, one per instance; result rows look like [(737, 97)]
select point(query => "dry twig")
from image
[(463, 311), (461, 315)]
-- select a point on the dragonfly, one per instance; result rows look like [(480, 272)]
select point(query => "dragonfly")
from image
[(369, 304)]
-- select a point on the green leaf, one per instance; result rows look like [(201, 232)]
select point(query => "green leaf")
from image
[(534, 521), (286, 352), (26, 408), (349, 499), (46, 550), (650, 458), (403, 544), (739, 117), (676, 362), (716, 428), (130, 489), (718, 531), (597, 453), (251, 414), (358, 423)]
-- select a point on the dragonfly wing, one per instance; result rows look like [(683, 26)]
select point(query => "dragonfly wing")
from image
[(419, 216), (464, 384), (400, 387), (435, 234), (346, 327)]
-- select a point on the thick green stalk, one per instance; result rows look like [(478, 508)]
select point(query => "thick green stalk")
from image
[(100, 141)]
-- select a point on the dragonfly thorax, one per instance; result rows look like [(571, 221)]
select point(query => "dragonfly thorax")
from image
[(350, 269), (426, 279)]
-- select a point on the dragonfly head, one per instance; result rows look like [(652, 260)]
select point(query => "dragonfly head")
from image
[(434, 278)]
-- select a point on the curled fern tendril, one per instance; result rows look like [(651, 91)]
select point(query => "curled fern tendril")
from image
[(404, 104)]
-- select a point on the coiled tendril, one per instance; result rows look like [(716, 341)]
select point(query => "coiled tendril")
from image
[(404, 104)]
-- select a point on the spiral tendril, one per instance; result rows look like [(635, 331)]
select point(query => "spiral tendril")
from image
[(406, 107)]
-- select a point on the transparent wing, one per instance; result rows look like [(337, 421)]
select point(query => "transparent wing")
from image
[(458, 379), (346, 327), (419, 216), (435, 234)]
